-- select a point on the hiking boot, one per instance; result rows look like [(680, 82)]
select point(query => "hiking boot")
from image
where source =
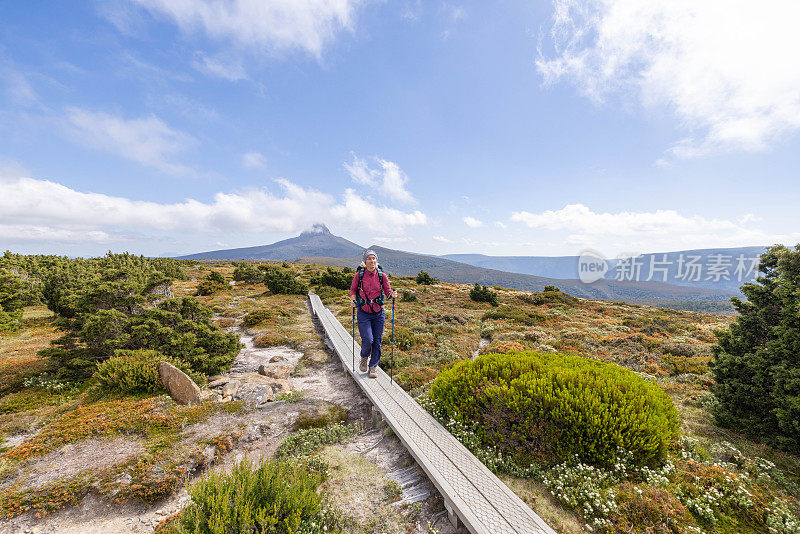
[(363, 366), (373, 372)]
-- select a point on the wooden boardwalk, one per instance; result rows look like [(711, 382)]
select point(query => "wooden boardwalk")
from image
[(472, 493)]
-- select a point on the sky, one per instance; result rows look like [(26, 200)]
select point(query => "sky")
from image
[(168, 127)]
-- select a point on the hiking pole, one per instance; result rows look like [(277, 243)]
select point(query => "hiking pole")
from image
[(391, 355), (354, 339)]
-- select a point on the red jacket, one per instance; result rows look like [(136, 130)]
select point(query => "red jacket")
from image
[(371, 288)]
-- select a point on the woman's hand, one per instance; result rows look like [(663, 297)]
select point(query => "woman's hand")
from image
[(394, 294)]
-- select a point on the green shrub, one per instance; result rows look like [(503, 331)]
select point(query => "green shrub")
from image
[(337, 279), (247, 272), (10, 321), (310, 440), (424, 279), (529, 318), (483, 294), (15, 294), (545, 408), (330, 414), (282, 281), (550, 288), (264, 315), (179, 327), (212, 283), (547, 297), (136, 371), (408, 296), (270, 497)]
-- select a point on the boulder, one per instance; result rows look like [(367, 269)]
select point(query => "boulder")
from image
[(229, 389), (221, 381), (254, 378), (281, 372), (277, 359), (179, 386), (262, 369)]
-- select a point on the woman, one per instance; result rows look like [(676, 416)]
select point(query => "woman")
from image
[(365, 290)]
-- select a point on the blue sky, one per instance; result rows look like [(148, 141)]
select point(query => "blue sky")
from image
[(508, 128)]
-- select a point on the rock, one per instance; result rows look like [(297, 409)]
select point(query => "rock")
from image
[(225, 399), (221, 381), (280, 372), (280, 386), (262, 369), (179, 386), (251, 433), (254, 378), (267, 395), (206, 395), (229, 389), (209, 454), (276, 359), (215, 377)]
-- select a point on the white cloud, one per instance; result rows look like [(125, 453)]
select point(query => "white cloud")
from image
[(262, 26), (227, 69), (724, 67), (389, 180), (42, 210), (579, 218), (472, 223), (750, 217), (254, 160), (441, 239), (500, 224), (22, 233), (361, 214), (148, 141), (660, 230)]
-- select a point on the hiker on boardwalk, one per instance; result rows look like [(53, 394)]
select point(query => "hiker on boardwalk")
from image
[(369, 286)]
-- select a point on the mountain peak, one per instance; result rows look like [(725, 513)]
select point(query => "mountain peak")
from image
[(316, 229)]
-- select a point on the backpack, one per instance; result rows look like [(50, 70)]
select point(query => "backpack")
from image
[(361, 301)]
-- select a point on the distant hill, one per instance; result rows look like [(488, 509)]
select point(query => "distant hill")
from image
[(401, 263), (566, 267), (319, 245), (318, 241)]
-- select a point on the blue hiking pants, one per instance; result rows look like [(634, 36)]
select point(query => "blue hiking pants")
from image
[(370, 326)]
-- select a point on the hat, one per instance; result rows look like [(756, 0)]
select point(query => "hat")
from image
[(369, 252)]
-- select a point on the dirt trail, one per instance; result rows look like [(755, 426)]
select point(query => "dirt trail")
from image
[(361, 469)]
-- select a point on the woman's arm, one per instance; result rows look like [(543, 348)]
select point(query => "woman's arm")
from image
[(354, 288), (387, 289)]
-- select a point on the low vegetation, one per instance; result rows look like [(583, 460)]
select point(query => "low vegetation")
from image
[(268, 497), (635, 444), (136, 371)]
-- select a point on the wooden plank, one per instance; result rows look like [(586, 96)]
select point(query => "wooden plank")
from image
[(482, 502)]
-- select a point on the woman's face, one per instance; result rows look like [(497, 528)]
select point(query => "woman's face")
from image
[(372, 263)]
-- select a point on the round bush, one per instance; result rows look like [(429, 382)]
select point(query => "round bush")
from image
[(546, 408), (269, 497), (136, 371)]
